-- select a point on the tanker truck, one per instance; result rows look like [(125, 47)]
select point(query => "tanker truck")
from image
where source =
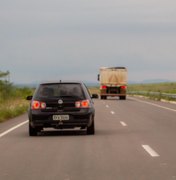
[(113, 82)]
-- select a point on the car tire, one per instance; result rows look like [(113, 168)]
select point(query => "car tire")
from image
[(122, 97), (91, 129), (103, 97), (32, 131)]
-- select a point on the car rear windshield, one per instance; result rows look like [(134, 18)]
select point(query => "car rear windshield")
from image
[(60, 90)]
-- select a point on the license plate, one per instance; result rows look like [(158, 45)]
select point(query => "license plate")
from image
[(60, 117)]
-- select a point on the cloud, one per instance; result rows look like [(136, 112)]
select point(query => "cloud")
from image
[(42, 39)]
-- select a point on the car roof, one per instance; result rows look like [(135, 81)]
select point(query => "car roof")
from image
[(61, 82)]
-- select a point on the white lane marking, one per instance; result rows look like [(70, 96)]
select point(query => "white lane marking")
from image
[(107, 106), (123, 123), (150, 151), (170, 109), (112, 112), (13, 128)]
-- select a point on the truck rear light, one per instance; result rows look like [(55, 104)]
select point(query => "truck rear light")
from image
[(123, 87), (38, 105), (103, 87), (82, 104)]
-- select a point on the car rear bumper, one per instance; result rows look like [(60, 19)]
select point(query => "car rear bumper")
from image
[(76, 119), (112, 94)]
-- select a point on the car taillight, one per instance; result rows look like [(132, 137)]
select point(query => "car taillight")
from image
[(82, 104), (103, 87), (38, 105), (123, 87)]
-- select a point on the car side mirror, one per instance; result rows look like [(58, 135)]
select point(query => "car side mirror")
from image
[(95, 96), (29, 98)]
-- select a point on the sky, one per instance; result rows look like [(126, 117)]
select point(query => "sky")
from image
[(71, 39)]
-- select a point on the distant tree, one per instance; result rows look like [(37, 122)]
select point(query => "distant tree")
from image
[(5, 75), (6, 87)]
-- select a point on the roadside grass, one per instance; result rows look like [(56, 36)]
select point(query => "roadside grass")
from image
[(157, 87), (12, 108), (94, 90), (155, 91), (13, 101)]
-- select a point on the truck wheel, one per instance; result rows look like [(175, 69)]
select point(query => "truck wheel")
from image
[(122, 97), (102, 97), (91, 129), (32, 131)]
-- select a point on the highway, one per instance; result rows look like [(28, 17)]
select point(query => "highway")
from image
[(135, 139)]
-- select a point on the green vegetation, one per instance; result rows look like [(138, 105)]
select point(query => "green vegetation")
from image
[(156, 91), (12, 98), (94, 90), (159, 87)]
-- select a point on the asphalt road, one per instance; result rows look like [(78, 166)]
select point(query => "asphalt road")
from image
[(135, 140)]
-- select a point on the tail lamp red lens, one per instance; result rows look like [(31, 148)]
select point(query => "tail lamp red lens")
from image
[(103, 87), (38, 105), (123, 87), (82, 104)]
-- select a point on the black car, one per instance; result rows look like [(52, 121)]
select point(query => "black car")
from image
[(61, 105)]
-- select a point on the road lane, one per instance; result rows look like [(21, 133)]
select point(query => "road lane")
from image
[(13, 128), (123, 123), (11, 123), (154, 125), (150, 151), (156, 105), (114, 152)]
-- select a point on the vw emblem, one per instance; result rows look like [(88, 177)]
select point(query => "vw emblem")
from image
[(60, 101)]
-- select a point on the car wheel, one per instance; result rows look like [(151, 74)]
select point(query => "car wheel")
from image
[(32, 131), (122, 97), (103, 97), (91, 129)]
